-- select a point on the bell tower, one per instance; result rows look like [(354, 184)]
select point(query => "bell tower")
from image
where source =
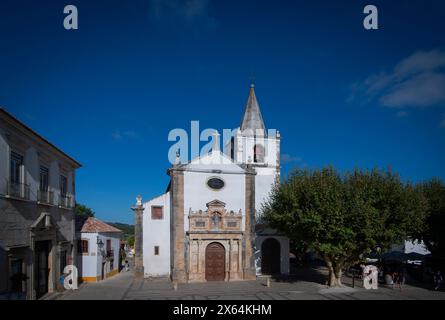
[(254, 145)]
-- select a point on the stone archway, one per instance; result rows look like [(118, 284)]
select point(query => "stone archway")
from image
[(270, 257), (215, 262)]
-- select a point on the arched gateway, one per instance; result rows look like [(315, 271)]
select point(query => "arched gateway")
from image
[(215, 262), (270, 256)]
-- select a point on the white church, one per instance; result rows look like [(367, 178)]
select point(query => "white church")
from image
[(207, 225)]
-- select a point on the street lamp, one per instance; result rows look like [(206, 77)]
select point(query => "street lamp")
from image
[(99, 242)]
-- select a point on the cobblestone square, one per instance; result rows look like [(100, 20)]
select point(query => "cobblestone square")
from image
[(125, 286)]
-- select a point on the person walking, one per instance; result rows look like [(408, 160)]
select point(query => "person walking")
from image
[(438, 280), (401, 276), (127, 266)]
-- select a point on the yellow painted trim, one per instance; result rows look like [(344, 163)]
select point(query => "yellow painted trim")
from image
[(89, 279), (112, 273)]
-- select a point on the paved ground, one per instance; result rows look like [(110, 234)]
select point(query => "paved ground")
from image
[(125, 286)]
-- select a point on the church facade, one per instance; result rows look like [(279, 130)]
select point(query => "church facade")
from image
[(207, 226)]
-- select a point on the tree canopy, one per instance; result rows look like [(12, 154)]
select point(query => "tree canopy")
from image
[(343, 216), (433, 234), (83, 210)]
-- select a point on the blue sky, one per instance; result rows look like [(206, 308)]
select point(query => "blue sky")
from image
[(109, 93)]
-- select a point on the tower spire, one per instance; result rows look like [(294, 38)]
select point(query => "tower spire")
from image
[(252, 122)]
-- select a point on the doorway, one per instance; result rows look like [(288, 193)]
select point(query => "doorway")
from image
[(270, 257), (41, 267), (215, 262), (102, 273)]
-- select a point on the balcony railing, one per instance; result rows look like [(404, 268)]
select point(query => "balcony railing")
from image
[(66, 201), (46, 197), (18, 190)]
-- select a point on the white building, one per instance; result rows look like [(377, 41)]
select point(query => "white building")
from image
[(98, 246), (207, 226)]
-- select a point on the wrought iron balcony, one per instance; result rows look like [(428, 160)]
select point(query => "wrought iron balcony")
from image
[(66, 201), (46, 197), (18, 190)]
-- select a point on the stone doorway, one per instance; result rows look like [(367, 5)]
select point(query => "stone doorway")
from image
[(215, 262), (41, 265), (270, 257)]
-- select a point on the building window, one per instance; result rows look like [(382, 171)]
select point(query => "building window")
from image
[(44, 178), (82, 246), (110, 251), (200, 224), (16, 186), (258, 151), (16, 168), (232, 224), (63, 186), (156, 250), (215, 183), (157, 212), (44, 195)]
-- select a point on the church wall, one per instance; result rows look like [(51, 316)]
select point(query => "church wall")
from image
[(264, 181), (197, 193), (156, 233)]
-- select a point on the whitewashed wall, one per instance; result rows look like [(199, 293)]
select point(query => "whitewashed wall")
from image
[(156, 233), (264, 181), (197, 193), (88, 262), (91, 264)]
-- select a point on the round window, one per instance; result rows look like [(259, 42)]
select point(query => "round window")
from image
[(215, 183)]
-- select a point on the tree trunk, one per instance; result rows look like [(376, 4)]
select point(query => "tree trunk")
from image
[(335, 273), (338, 275)]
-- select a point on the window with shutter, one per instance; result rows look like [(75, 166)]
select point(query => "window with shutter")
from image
[(157, 213), (82, 246)]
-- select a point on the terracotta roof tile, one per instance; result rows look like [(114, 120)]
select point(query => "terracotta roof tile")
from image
[(93, 225)]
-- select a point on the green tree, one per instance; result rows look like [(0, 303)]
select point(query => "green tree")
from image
[(433, 234), (130, 240), (343, 217), (82, 210)]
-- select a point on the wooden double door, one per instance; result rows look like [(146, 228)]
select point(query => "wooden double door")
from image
[(215, 264)]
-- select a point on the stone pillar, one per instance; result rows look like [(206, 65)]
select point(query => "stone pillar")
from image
[(177, 236), (230, 258), (138, 238), (249, 234)]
